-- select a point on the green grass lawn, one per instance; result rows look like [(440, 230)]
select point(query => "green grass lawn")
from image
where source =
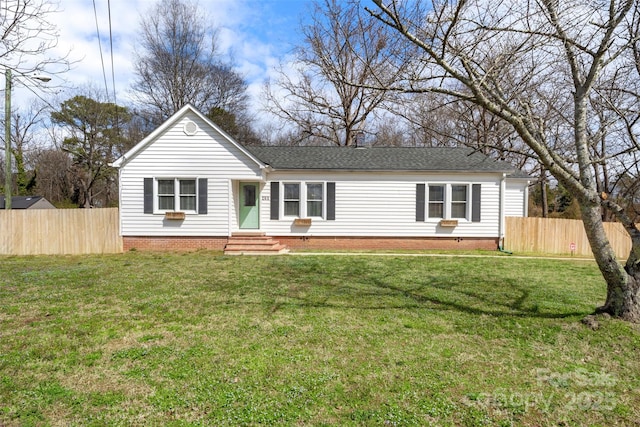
[(204, 339)]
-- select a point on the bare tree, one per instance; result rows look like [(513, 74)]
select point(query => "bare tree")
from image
[(520, 61), (27, 37), (27, 45), (27, 138), (616, 108), (54, 178), (179, 63), (340, 45)]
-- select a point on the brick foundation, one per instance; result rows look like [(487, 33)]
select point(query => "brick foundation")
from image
[(315, 243), (388, 243), (173, 243)]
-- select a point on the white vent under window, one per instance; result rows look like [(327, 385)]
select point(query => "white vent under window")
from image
[(190, 128)]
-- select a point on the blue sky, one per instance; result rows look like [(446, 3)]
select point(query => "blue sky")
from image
[(255, 33)]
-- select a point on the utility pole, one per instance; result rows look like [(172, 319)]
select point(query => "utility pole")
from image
[(8, 176)]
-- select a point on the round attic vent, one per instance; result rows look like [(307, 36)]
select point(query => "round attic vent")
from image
[(190, 128)]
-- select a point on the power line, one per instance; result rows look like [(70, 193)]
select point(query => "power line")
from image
[(113, 73), (104, 72), (41, 98)]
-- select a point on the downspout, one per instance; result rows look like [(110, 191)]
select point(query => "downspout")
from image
[(501, 222), (120, 206), (230, 205), (119, 167)]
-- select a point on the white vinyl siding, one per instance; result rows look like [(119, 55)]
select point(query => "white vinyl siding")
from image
[(384, 204), (516, 195), (206, 154)]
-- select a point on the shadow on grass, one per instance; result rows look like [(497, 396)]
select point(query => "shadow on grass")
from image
[(511, 300), (483, 302)]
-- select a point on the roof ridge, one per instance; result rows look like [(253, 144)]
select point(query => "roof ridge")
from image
[(416, 159)]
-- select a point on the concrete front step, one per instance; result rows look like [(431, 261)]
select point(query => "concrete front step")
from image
[(252, 243)]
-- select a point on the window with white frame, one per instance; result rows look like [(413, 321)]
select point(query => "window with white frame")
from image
[(177, 194), (459, 200), (448, 201), (303, 199), (436, 201), (166, 195), (315, 198), (291, 199)]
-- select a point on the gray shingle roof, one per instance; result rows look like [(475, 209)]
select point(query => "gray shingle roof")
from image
[(21, 202), (433, 159)]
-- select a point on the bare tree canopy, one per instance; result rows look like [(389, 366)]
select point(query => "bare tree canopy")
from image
[(28, 42), (26, 144), (178, 63), (540, 67), (54, 180), (27, 139), (340, 45), (27, 37)]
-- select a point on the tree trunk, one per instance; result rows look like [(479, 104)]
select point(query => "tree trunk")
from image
[(543, 194), (88, 197), (623, 283)]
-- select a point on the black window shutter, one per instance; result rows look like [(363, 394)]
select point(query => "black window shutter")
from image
[(420, 198), (275, 200), (475, 202), (331, 201), (202, 196), (148, 195)]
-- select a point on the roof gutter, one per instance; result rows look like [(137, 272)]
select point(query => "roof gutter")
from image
[(276, 169)]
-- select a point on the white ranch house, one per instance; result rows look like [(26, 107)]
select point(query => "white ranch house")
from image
[(189, 185)]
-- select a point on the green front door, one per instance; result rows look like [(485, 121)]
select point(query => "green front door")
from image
[(249, 209)]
